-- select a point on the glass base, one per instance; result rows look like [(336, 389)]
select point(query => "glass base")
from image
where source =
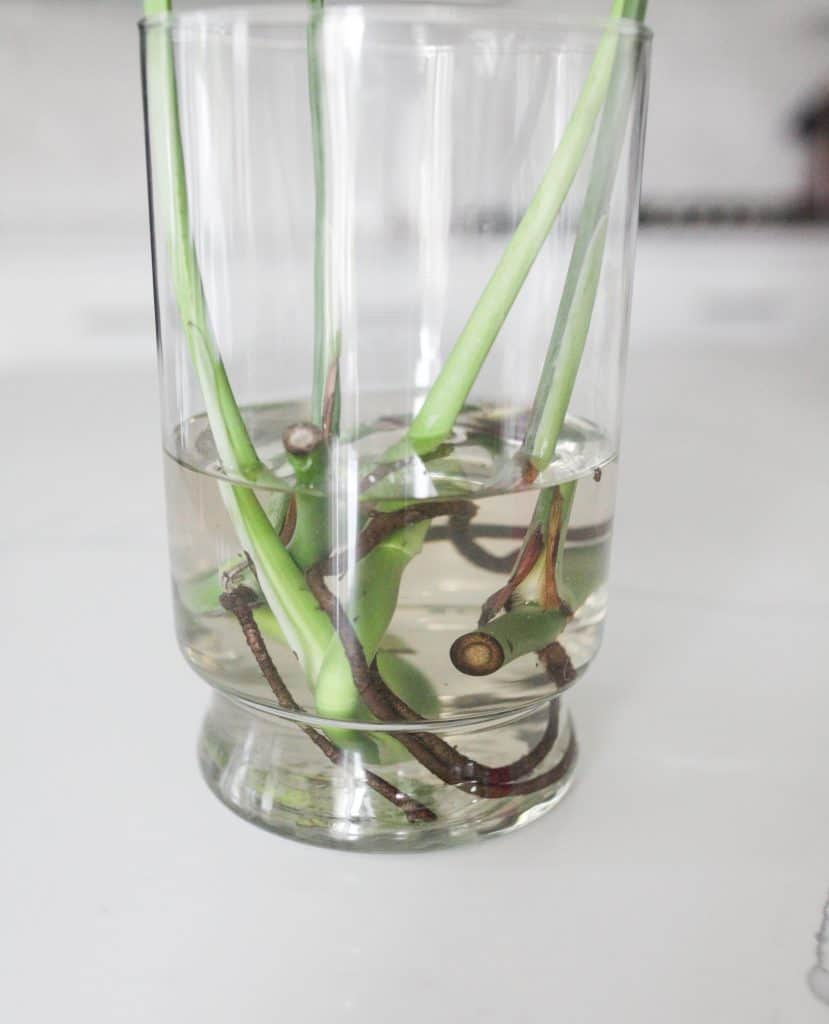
[(263, 767)]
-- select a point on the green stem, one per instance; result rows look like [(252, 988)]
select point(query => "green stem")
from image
[(575, 312), (305, 626), (236, 602), (447, 395), (548, 584), (526, 630), (543, 584), (512, 635), (236, 451), (401, 676), (564, 357), (372, 587), (325, 384), (307, 629), (310, 541), (583, 571), (404, 679), (536, 572)]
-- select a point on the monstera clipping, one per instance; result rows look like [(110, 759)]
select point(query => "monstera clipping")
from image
[(305, 595)]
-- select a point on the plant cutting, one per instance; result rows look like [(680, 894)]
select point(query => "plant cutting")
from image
[(335, 524)]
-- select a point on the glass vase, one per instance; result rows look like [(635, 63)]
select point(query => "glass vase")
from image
[(393, 249)]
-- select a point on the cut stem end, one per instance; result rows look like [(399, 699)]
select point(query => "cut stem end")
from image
[(477, 654), (302, 439)]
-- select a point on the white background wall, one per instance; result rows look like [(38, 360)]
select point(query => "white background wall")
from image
[(727, 76)]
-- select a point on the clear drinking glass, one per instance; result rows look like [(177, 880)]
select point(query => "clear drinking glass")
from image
[(393, 249)]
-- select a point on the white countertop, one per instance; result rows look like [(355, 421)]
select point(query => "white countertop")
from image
[(683, 878)]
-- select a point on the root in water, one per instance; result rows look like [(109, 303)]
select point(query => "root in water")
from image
[(434, 753), (381, 525), (238, 602)]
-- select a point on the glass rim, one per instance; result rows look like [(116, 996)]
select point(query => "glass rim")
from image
[(410, 11)]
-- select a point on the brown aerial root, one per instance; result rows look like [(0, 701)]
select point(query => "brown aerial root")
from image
[(498, 791), (238, 602), (434, 753), (381, 525), (557, 663), (463, 540)]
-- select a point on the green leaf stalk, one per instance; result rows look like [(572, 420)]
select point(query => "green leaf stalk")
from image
[(449, 392), (547, 582), (558, 377)]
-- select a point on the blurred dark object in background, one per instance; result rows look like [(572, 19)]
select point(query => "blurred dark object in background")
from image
[(735, 213), (729, 79), (813, 128)]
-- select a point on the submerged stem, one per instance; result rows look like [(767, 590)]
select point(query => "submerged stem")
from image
[(534, 620), (510, 636), (540, 554), (385, 548), (307, 453)]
